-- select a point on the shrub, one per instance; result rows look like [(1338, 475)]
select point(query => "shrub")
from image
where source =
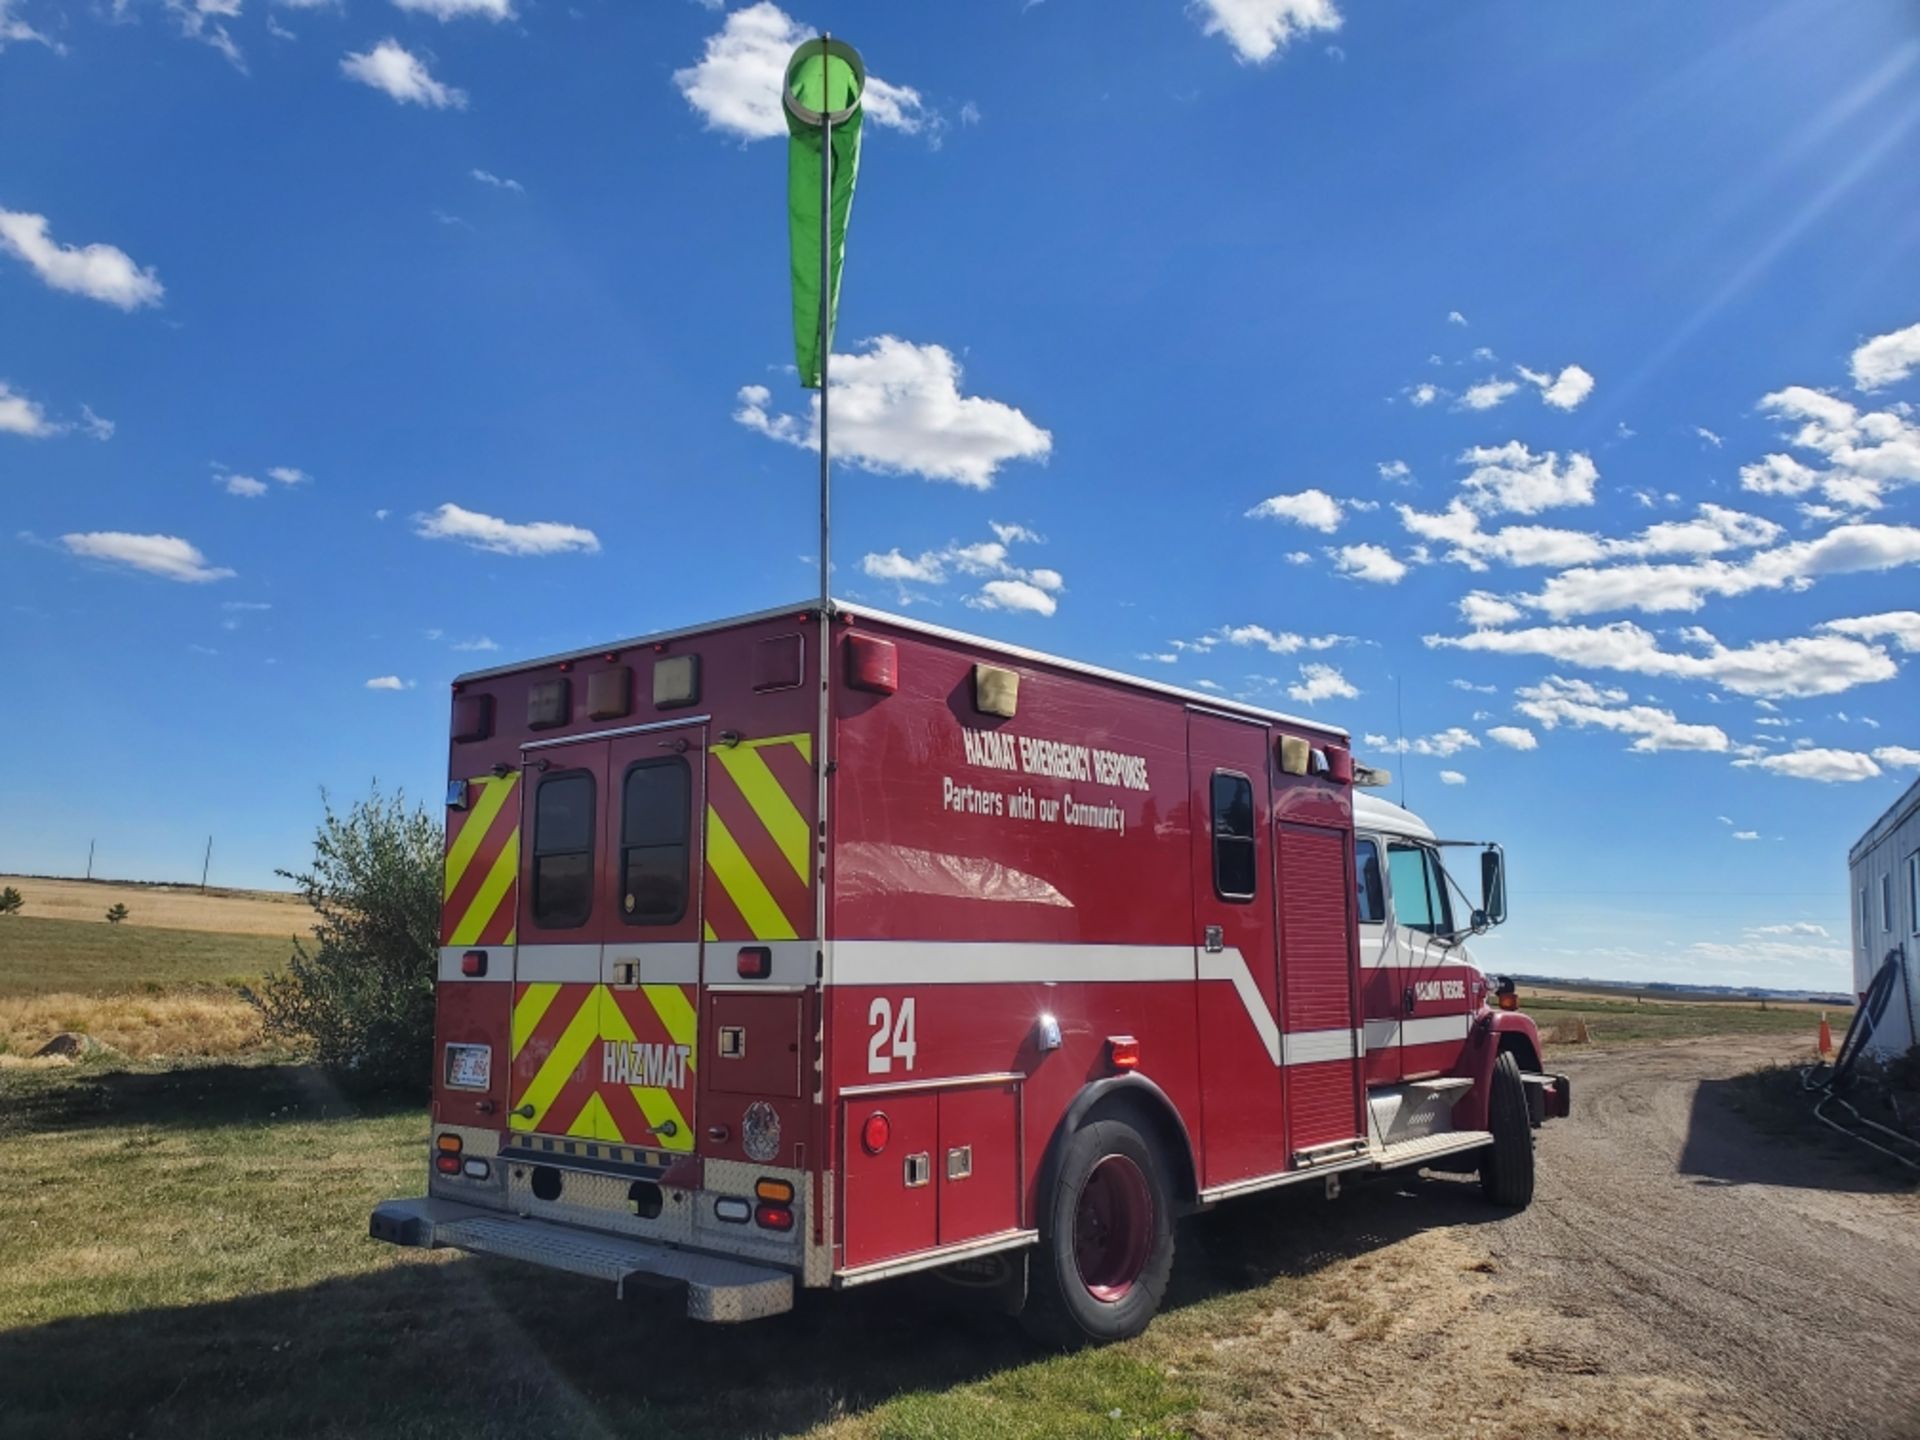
[(117, 912), (10, 901), (362, 996)]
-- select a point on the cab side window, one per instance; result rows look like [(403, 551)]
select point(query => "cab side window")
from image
[(1419, 890), (563, 851), (1371, 897), (653, 842), (1234, 869)]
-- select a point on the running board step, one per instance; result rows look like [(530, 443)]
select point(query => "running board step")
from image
[(718, 1289), (1430, 1147)]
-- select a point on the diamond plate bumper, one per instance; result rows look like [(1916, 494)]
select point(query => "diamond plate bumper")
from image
[(718, 1289)]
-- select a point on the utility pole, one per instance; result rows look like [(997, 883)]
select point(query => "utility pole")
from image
[(90, 859), (205, 865)]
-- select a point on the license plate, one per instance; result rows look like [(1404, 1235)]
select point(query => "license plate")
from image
[(469, 1067)]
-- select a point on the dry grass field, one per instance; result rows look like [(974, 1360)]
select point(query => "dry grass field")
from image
[(165, 907)]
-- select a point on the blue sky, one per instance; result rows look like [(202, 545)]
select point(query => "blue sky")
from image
[(1550, 368)]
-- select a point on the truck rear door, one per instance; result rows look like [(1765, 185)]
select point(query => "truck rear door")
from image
[(606, 975)]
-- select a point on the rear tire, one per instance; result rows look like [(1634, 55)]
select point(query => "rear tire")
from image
[(1506, 1166), (1106, 1241)]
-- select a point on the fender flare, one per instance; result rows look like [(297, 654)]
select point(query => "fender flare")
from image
[(1491, 1032), (1132, 1091)]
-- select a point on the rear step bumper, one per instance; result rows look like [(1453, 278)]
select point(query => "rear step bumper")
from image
[(718, 1289)]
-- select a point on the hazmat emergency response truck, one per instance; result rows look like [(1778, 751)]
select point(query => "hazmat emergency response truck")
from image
[(817, 946)]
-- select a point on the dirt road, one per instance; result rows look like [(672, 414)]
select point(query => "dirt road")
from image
[(1784, 1283)]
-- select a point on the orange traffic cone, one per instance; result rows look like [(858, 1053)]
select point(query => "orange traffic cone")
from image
[(1826, 1035)]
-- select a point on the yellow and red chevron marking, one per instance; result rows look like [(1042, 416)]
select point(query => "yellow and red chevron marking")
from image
[(483, 864), (561, 1035), (759, 840)]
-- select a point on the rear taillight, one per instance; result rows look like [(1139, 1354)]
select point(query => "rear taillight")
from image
[(774, 1217), (754, 962), (474, 962)]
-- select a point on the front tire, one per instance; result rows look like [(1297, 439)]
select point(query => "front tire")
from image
[(1506, 1166), (1106, 1240)]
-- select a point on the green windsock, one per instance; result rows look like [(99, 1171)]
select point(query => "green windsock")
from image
[(824, 77)]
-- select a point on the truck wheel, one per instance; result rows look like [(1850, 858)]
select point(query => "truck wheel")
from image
[(1106, 1241), (1506, 1166)]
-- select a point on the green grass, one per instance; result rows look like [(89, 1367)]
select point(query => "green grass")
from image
[(185, 1255), (1618, 1021), (39, 956)]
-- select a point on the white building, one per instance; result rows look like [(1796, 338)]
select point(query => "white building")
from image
[(1885, 868)]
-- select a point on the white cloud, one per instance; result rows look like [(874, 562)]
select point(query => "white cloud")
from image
[(1473, 689), (1901, 626), (389, 682), (1554, 702), (1709, 436), (167, 556), (1514, 737), (897, 409), (1801, 666), (1900, 757), (97, 426), (478, 643), (200, 20), (391, 68), (1369, 562), (1481, 610), (1713, 529), (444, 10), (1814, 763), (1446, 743), (1454, 317), (736, 83), (18, 32), (1845, 550), (22, 416), (288, 475), (1797, 927), (1014, 595), (1424, 394), (1314, 509), (1452, 777), (1867, 453), (1511, 477), (1564, 391), (1395, 470), (498, 182), (502, 537), (1320, 682), (1487, 394), (1746, 834), (1887, 359), (1260, 29), (100, 272), (1007, 586), (245, 486)]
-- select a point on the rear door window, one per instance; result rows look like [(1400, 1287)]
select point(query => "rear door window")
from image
[(654, 826), (563, 850)]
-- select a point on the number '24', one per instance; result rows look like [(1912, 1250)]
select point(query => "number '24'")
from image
[(892, 1035)]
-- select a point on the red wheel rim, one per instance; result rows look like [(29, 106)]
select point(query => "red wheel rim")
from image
[(1113, 1228)]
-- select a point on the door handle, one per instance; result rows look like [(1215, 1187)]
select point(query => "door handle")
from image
[(1216, 939), (1407, 1000)]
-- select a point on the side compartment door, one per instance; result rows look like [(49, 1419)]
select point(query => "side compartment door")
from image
[(1317, 983), (556, 978), (1236, 954), (650, 960)]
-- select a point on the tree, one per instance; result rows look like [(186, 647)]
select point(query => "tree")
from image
[(10, 901), (117, 912), (362, 995)]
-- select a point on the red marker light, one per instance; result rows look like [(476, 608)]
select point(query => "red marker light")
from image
[(876, 1132), (1123, 1052), (754, 962), (774, 1217), (447, 1164), (474, 962)]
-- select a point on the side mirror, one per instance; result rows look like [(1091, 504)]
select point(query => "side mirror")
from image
[(1493, 885), (1480, 923)]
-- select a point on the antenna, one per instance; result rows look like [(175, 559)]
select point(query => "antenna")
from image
[(1400, 724)]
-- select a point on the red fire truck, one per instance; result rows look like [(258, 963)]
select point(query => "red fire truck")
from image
[(760, 972)]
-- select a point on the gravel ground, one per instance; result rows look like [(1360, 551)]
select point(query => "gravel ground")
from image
[(1677, 1240)]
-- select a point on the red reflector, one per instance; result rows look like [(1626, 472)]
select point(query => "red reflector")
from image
[(755, 962), (1123, 1052), (872, 664), (875, 1133), (447, 1164), (474, 962), (774, 1217)]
